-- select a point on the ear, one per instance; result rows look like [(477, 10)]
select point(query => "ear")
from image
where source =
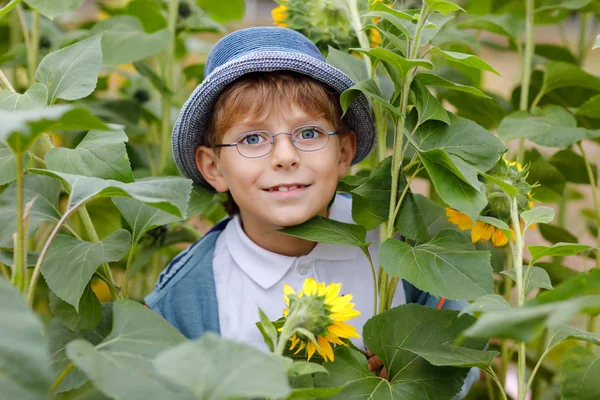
[(347, 153), (207, 162)]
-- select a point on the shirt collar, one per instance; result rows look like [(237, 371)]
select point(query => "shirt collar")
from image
[(267, 268)]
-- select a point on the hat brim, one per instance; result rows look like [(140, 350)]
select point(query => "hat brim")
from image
[(190, 128)]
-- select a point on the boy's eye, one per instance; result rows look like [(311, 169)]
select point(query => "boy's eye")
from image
[(252, 139), (308, 134)]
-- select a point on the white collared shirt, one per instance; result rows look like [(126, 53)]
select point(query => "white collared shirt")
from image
[(248, 277)]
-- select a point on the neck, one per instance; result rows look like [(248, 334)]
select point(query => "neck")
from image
[(274, 241)]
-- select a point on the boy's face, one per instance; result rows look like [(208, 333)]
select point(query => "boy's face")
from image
[(253, 182)]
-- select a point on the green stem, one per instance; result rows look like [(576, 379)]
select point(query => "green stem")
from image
[(357, 26), (33, 49), (494, 377), (61, 377), (38, 159), (505, 349), (535, 369), (594, 186), (526, 70), (169, 56), (19, 278), (368, 255), (7, 8), (5, 271), (128, 268), (5, 83), (584, 21)]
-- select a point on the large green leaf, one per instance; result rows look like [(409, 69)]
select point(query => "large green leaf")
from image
[(580, 369), (507, 25), (71, 73), (86, 316), (551, 182), (376, 192), (370, 89), (559, 249), (71, 263), (590, 108), (487, 303), (526, 323), (100, 154), (320, 229), (349, 369), (572, 165), (468, 60), (54, 8), (536, 215), (170, 194), (200, 199), (24, 360), (220, 369), (433, 214), (427, 105), (442, 6), (149, 13), (19, 129), (447, 355), (35, 97), (45, 207), (560, 74), (223, 11), (59, 336), (553, 126), (438, 81), (400, 335), (124, 40), (121, 366), (565, 332), (447, 266), (8, 164), (580, 284), (141, 217), (354, 67)]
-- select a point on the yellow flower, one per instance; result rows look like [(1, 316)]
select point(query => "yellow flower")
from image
[(326, 323), (480, 231), (499, 238), (279, 15), (513, 163), (375, 37), (463, 221)]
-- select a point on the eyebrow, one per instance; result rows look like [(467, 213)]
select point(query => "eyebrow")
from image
[(257, 125)]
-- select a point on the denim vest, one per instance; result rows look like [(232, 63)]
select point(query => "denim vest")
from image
[(185, 293)]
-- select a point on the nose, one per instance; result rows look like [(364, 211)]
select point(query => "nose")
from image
[(284, 155)]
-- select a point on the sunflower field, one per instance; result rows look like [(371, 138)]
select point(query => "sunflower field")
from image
[(483, 188)]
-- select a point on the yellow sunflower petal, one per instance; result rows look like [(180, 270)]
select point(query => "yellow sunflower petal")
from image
[(310, 287), (302, 345), (459, 219), (310, 349), (332, 292), (344, 315), (341, 303), (343, 330), (334, 339), (325, 349), (499, 239), (295, 341)]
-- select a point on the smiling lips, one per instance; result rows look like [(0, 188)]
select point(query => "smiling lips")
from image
[(285, 188)]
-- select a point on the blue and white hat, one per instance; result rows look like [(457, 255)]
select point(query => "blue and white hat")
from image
[(260, 49)]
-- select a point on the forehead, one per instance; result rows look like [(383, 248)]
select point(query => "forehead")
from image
[(270, 120)]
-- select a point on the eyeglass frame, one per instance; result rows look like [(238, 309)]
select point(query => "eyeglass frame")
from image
[(273, 136)]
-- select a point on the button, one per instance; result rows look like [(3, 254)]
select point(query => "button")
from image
[(303, 268)]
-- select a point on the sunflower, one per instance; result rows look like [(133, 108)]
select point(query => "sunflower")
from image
[(480, 231), (322, 312), (279, 15)]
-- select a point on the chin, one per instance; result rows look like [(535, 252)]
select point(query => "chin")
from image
[(291, 218)]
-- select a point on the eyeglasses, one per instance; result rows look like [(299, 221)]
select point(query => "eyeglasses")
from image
[(256, 144)]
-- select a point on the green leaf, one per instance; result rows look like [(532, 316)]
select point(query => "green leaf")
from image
[(352, 66), (349, 369), (536, 215), (223, 11), (8, 164), (200, 199), (580, 369), (505, 186), (468, 60), (376, 192), (554, 126), (438, 81), (300, 368), (319, 393), (100, 154), (54, 8), (587, 283), (447, 266), (370, 89), (324, 230), (146, 70), (487, 303), (7, 257), (169, 194), (572, 165), (555, 234), (23, 350), (537, 278), (541, 172), (121, 366), (267, 329), (565, 332), (141, 217), (397, 18), (560, 74), (526, 323), (20, 129), (86, 316), (45, 208), (59, 336), (559, 249), (35, 97), (149, 13), (433, 214), (446, 355), (442, 6), (591, 108), (549, 5), (124, 40), (507, 25), (71, 73), (403, 65), (211, 367), (401, 335), (71, 263), (427, 105)]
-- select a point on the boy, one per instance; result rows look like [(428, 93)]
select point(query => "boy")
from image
[(265, 126)]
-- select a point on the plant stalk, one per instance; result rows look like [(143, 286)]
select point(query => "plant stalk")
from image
[(526, 68), (128, 268), (5, 83), (62, 376), (584, 21), (7, 8), (33, 47), (169, 56), (357, 26), (19, 277), (368, 255)]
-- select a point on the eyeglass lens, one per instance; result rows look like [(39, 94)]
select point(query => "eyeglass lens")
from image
[(305, 138)]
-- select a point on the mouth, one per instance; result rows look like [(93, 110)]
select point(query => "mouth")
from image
[(286, 188)]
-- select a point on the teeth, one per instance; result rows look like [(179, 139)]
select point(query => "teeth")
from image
[(293, 187), (282, 189)]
